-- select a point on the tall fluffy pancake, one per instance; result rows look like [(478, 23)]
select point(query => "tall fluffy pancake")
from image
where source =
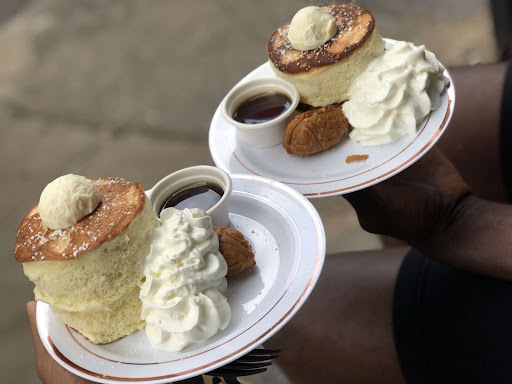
[(324, 75), (90, 272)]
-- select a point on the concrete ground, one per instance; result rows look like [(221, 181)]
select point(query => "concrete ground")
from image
[(127, 88)]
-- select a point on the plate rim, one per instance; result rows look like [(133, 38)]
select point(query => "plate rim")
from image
[(43, 308), (404, 164)]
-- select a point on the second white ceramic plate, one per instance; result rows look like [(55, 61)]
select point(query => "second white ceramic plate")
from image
[(327, 173), (288, 240)]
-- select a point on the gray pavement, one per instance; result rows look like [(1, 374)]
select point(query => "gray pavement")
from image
[(127, 88)]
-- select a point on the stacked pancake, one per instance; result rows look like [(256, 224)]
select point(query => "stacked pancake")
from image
[(323, 75), (89, 273)]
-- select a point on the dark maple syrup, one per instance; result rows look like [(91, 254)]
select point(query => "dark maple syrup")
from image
[(201, 195), (262, 108)]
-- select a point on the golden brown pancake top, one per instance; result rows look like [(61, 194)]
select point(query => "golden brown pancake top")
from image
[(355, 26), (120, 202)]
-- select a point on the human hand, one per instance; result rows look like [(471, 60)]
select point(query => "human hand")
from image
[(415, 204), (49, 371)]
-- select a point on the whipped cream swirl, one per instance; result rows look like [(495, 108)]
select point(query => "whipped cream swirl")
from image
[(395, 92), (185, 273)]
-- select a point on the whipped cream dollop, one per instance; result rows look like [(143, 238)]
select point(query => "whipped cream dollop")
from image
[(67, 200), (310, 28), (395, 92), (185, 275)]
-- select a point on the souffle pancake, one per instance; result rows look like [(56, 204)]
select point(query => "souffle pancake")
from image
[(90, 272), (323, 75)]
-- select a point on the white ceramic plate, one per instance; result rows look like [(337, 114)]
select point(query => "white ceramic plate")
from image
[(288, 238), (327, 173)]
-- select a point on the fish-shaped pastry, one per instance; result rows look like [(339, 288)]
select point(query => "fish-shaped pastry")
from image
[(315, 130), (236, 250)]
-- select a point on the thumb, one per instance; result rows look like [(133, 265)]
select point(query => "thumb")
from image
[(38, 345), (49, 371)]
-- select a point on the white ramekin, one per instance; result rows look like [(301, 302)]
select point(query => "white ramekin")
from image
[(266, 134), (187, 176)]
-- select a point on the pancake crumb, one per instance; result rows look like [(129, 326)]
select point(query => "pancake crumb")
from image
[(353, 158)]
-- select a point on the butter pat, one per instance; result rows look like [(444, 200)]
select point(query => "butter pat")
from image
[(67, 200), (310, 28), (396, 92), (185, 274)]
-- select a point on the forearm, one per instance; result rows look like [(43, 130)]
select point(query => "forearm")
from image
[(478, 238), (471, 142)]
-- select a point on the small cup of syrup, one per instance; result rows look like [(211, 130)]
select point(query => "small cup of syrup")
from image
[(203, 186), (260, 109)]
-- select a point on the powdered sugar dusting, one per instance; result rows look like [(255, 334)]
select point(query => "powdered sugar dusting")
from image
[(121, 202), (287, 59)]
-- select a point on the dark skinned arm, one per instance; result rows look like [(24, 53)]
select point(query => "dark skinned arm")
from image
[(430, 207)]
